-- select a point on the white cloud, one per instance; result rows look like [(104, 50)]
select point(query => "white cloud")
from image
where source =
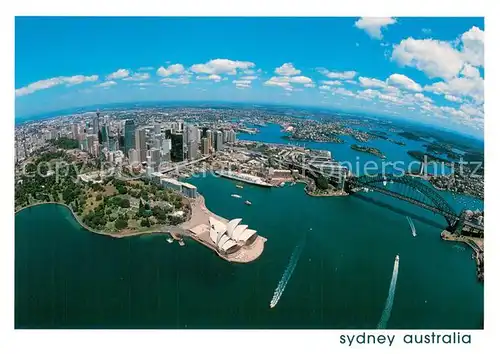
[(212, 77), (55, 81), (461, 87), (441, 59), (342, 91), (286, 81), (404, 82), (138, 77), (435, 58), (248, 77), (106, 84), (332, 82), (118, 74), (343, 75), (470, 71), (453, 98), (287, 69), (473, 46), (373, 25), (174, 69), (369, 82), (145, 68), (222, 66), (241, 84), (309, 85), (181, 80)]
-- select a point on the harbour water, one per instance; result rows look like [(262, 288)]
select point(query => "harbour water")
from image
[(67, 277)]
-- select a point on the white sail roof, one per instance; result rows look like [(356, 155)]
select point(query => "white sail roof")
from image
[(238, 231), (217, 229), (227, 245), (232, 225), (245, 235)]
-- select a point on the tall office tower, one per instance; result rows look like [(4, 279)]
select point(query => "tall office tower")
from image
[(213, 138), (129, 135), (232, 136), (205, 146), (157, 128), (75, 128), (90, 141), (155, 158), (180, 126), (166, 146), (208, 135), (177, 151), (219, 145), (192, 150), (113, 143), (168, 133), (225, 137), (198, 138), (204, 132), (140, 143), (156, 143), (95, 148), (105, 134), (95, 126), (192, 133), (133, 156)]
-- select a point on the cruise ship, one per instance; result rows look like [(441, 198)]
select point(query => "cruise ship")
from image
[(243, 177)]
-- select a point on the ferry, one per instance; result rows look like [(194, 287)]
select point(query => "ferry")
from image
[(236, 196), (170, 240), (243, 177), (397, 259), (247, 202)]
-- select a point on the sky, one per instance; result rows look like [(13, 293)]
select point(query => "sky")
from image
[(425, 69)]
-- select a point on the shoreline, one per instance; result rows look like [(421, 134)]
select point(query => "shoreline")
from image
[(476, 248), (245, 254)]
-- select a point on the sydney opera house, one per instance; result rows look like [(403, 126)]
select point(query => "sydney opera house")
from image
[(229, 237)]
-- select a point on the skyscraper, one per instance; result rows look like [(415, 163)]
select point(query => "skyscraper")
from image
[(177, 151), (208, 135), (140, 144), (205, 146), (95, 126), (157, 128), (75, 130), (129, 135), (219, 145), (155, 159), (192, 150)]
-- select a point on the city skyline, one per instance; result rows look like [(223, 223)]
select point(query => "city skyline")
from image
[(425, 69)]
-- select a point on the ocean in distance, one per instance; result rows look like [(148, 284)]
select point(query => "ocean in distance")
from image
[(67, 277)]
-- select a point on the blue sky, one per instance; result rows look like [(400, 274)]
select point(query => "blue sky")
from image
[(427, 69)]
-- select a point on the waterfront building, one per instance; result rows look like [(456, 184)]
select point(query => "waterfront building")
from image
[(219, 145), (188, 190), (205, 146), (231, 136), (229, 237), (177, 151), (155, 158), (140, 143), (129, 135)]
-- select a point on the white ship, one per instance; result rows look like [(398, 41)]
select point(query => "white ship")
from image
[(397, 260), (236, 196), (170, 240), (247, 202), (243, 177)]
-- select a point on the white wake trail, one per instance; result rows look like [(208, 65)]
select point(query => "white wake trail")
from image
[(287, 274), (412, 226), (386, 314)]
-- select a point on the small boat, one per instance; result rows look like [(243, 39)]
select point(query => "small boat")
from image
[(236, 196), (181, 242), (247, 202), (170, 240), (282, 184), (240, 186)]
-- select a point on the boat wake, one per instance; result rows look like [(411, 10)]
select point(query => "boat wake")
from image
[(412, 226), (386, 314), (287, 274)]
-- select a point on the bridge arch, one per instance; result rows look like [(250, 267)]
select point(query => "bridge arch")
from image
[(410, 189)]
